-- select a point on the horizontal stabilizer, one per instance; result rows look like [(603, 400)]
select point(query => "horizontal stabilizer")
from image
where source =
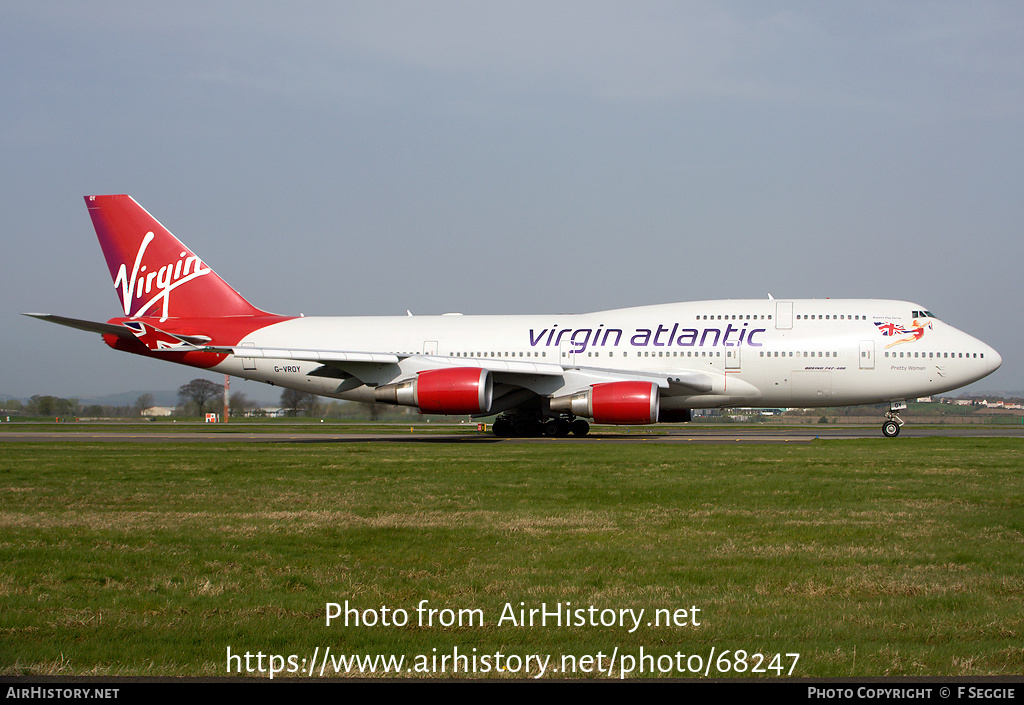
[(91, 326), (160, 340), (153, 338)]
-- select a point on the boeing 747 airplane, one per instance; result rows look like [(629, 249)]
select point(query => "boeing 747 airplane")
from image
[(540, 374)]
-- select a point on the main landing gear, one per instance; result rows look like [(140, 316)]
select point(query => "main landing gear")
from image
[(526, 426), (893, 423)]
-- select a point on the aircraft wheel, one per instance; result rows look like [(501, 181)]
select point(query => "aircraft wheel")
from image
[(501, 428), (524, 428), (580, 428), (890, 429), (551, 428)]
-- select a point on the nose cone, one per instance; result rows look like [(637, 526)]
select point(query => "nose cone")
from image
[(993, 359), (979, 358)]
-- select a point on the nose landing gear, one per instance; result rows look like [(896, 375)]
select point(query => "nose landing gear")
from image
[(893, 423)]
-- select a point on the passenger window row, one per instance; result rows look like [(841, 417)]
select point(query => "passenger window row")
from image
[(791, 353), (933, 355), (830, 317), (734, 317)]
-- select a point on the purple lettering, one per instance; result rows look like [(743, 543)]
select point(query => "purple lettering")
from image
[(704, 337), (643, 335), (583, 338), (729, 330), (580, 346), (618, 336), (688, 337)]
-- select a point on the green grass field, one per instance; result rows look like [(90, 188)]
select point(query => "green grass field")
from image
[(865, 558)]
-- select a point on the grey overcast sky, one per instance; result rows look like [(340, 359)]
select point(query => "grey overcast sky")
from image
[(518, 157)]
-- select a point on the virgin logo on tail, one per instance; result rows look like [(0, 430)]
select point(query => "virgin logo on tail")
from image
[(159, 282)]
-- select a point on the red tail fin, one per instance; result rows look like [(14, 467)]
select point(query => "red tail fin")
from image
[(153, 273)]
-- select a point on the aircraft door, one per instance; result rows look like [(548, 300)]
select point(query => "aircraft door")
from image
[(783, 315), (732, 358), (566, 353), (248, 363), (867, 354), (430, 347)]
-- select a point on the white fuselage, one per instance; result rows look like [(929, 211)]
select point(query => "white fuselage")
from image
[(760, 353)]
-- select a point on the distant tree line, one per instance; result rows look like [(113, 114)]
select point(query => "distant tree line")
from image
[(58, 407), (201, 396)]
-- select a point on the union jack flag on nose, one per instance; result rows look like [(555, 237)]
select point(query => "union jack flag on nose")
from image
[(890, 328)]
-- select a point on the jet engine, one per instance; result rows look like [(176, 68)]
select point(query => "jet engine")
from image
[(454, 390), (614, 403)]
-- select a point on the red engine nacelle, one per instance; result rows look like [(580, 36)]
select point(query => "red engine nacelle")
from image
[(460, 390), (624, 402), (614, 402), (454, 390)]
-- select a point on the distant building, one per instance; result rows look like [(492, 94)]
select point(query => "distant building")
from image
[(157, 411)]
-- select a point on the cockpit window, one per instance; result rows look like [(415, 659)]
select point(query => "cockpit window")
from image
[(922, 314)]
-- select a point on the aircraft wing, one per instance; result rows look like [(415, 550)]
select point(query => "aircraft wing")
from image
[(370, 367), (339, 358)]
